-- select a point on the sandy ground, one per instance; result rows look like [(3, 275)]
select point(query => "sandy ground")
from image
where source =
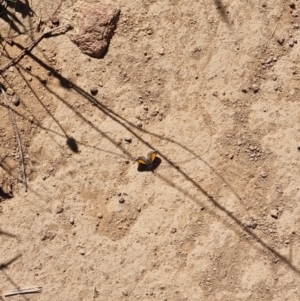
[(213, 85)]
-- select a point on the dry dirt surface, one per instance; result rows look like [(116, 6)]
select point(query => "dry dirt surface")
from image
[(213, 85)]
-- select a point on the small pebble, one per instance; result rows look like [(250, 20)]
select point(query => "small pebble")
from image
[(255, 88), (292, 5), (231, 156), (244, 90), (253, 224), (161, 50), (16, 100), (94, 90), (215, 94), (54, 20), (28, 67), (100, 215), (59, 209), (280, 40), (274, 213), (72, 221), (196, 49), (173, 230), (248, 223), (140, 124), (139, 209), (128, 139), (291, 43), (43, 80), (263, 174), (81, 252), (9, 91), (121, 200), (298, 147)]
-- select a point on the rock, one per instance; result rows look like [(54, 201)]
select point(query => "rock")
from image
[(255, 88), (16, 100), (100, 215), (250, 223), (9, 91), (96, 28), (121, 200), (253, 224), (247, 223), (128, 139), (280, 40), (263, 174), (161, 50), (59, 209), (28, 67), (298, 147), (94, 90), (55, 20), (274, 213), (81, 252), (47, 234), (72, 221), (173, 230), (291, 43)]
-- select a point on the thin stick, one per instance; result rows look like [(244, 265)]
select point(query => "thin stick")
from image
[(35, 289), (18, 137), (273, 32), (17, 58)]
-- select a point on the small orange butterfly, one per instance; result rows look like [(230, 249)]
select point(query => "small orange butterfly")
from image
[(149, 160)]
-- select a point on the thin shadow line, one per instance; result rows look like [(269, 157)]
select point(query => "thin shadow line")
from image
[(37, 123), (7, 234), (6, 264), (228, 213)]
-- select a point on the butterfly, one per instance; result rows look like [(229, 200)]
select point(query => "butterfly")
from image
[(149, 160)]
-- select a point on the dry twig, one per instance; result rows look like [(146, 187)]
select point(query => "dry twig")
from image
[(17, 136), (27, 290), (268, 42)]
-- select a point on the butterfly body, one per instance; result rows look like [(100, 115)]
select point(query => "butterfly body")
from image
[(148, 161)]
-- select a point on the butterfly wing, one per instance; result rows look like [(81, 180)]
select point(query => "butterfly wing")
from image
[(142, 160), (152, 155)]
